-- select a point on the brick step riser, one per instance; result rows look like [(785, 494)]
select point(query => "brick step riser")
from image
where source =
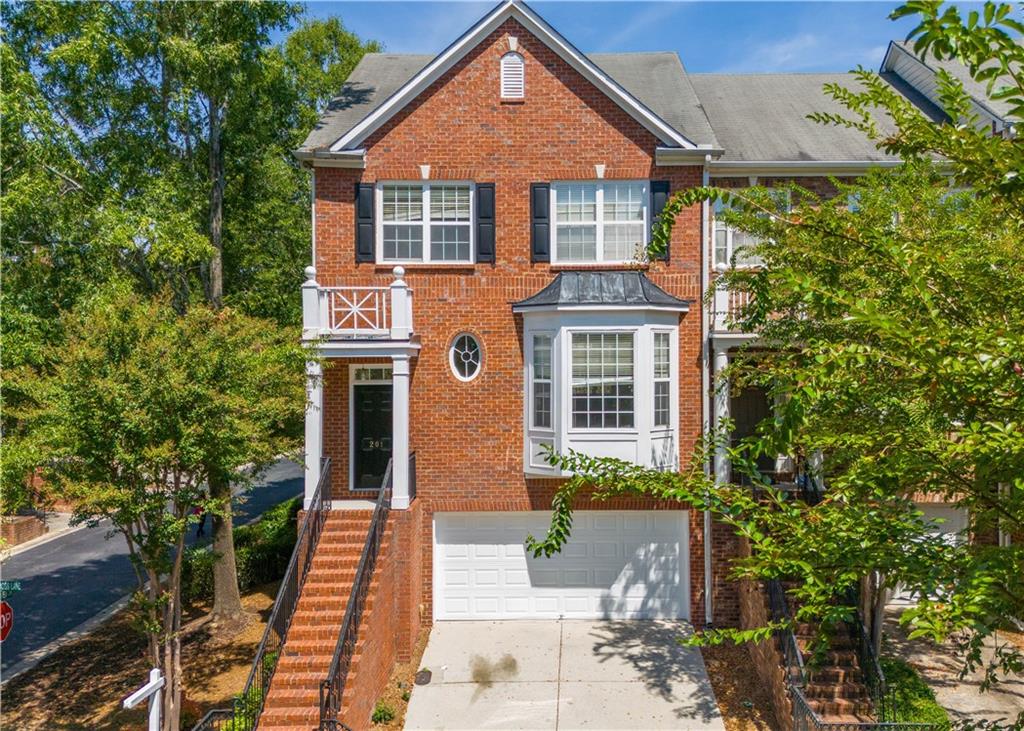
[(830, 691), (834, 675), (837, 707)]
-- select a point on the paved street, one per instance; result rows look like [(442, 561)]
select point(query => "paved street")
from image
[(70, 579)]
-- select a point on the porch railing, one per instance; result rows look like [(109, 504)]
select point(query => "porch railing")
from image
[(333, 687), (245, 711), (357, 312)]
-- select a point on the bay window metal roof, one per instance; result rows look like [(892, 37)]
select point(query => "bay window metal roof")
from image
[(630, 289)]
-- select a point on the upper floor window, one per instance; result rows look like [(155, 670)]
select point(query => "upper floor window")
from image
[(734, 247), (513, 76), (425, 222), (599, 222)]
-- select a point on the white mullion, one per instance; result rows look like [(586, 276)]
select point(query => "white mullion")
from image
[(425, 199), (599, 222)]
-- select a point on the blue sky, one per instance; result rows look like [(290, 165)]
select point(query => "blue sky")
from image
[(737, 37)]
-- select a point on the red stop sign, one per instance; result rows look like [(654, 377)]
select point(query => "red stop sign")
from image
[(6, 620)]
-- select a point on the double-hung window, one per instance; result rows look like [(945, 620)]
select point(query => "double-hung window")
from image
[(426, 222), (542, 361), (662, 379), (602, 380), (734, 247), (599, 222)]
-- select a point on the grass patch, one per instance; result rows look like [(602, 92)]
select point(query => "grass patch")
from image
[(913, 700)]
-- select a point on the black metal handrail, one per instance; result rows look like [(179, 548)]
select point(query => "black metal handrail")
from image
[(332, 688), (245, 711), (871, 670), (792, 657)]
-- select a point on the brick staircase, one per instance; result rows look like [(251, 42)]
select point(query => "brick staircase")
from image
[(835, 688), (293, 700)]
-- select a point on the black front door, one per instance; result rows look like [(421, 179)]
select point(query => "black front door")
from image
[(372, 444)]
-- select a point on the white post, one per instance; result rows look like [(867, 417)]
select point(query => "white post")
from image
[(150, 690), (314, 429), (401, 306), (721, 409), (720, 305), (311, 320), (400, 432)]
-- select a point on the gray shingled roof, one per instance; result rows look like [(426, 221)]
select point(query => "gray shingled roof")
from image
[(761, 117), (627, 288), (955, 68), (657, 80)]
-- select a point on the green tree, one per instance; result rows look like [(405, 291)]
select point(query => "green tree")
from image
[(897, 334), (160, 138), (141, 404)]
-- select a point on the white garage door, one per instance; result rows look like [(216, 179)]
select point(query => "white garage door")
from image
[(622, 565)]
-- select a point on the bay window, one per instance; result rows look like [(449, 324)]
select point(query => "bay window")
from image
[(425, 222), (599, 221), (541, 408), (602, 380), (662, 379)]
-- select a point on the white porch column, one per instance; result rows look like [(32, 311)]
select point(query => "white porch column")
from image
[(721, 411), (314, 428), (400, 432)]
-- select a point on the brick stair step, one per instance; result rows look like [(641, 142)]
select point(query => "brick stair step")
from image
[(827, 691), (835, 643), (839, 706), (834, 674), (291, 718), (317, 618), (333, 562), (301, 678), (326, 586)]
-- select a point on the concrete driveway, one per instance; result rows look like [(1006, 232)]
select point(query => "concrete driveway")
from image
[(545, 675)]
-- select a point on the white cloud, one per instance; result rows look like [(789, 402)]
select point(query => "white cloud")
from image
[(639, 23), (802, 52)]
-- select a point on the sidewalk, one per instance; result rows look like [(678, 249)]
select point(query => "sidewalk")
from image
[(940, 665)]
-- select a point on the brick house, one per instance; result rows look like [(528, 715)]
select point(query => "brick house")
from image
[(477, 296)]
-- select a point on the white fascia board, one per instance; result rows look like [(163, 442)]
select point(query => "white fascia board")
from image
[(465, 43), (364, 348), (728, 168), (527, 309), (323, 159)]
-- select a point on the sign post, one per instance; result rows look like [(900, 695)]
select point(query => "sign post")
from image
[(6, 620), (150, 690)]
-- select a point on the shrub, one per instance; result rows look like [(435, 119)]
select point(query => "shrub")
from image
[(383, 713), (913, 700), (262, 552)]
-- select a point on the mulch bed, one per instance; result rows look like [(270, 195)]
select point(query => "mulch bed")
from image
[(742, 699), (82, 684)]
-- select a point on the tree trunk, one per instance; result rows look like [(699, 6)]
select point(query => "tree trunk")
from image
[(227, 601), (214, 274)]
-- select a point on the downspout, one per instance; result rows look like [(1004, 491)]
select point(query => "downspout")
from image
[(705, 408)]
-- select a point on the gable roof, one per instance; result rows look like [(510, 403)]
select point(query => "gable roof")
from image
[(525, 16), (763, 117), (921, 72), (658, 80), (601, 288)]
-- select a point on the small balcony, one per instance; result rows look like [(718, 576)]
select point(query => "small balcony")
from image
[(357, 313), (726, 307)]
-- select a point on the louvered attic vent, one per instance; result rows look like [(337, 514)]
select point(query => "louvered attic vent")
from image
[(512, 76)]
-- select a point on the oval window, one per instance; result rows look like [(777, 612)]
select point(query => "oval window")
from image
[(464, 357)]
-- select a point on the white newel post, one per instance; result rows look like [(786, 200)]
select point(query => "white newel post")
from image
[(314, 429), (311, 321), (400, 432), (401, 306), (721, 302), (721, 409)]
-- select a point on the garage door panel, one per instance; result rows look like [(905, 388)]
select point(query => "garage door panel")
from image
[(626, 564)]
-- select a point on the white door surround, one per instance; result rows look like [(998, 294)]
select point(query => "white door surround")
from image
[(627, 564)]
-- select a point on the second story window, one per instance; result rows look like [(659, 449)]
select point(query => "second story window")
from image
[(599, 222), (426, 222), (736, 248)]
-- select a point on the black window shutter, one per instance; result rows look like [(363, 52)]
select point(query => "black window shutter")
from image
[(364, 222), (659, 197), (540, 222), (485, 222)]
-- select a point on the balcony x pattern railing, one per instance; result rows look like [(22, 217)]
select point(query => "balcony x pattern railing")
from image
[(357, 309)]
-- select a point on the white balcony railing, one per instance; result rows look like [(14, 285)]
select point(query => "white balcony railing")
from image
[(727, 305), (357, 312)]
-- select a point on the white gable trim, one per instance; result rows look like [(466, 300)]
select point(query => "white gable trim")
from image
[(550, 37)]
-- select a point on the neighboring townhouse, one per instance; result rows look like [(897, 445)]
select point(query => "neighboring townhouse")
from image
[(478, 293)]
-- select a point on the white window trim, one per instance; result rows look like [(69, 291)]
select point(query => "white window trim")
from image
[(566, 368), (426, 223), (530, 413), (673, 382), (645, 197), (451, 356)]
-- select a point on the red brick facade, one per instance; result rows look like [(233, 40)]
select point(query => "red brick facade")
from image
[(468, 436)]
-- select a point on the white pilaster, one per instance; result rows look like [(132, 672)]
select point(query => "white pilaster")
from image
[(311, 315), (401, 306), (721, 410), (314, 427), (400, 432)]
